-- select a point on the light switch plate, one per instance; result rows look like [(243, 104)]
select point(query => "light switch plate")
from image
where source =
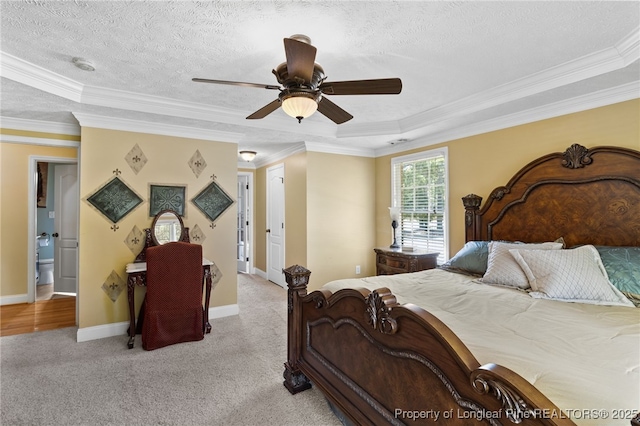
[(52, 215)]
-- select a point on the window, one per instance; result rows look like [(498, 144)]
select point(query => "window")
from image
[(420, 190)]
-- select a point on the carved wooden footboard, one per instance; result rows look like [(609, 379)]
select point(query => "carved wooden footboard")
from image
[(380, 362)]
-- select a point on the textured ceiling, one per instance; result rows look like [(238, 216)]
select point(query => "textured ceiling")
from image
[(460, 62)]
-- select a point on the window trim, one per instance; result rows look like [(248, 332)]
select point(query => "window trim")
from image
[(425, 155)]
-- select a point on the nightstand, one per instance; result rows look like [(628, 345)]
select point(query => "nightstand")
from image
[(396, 261)]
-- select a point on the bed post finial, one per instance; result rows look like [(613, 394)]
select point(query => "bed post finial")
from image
[(471, 206), (297, 278)]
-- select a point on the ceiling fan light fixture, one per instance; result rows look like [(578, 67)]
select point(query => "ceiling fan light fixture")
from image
[(248, 155), (300, 105)]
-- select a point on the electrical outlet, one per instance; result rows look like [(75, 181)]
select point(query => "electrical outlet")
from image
[(357, 269), (52, 215)]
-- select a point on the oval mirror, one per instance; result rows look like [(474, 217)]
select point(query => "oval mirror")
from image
[(166, 227)]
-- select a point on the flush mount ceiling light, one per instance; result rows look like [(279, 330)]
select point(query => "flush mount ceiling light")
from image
[(84, 64), (248, 155)]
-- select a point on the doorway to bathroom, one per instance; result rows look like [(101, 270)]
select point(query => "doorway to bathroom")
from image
[(55, 228)]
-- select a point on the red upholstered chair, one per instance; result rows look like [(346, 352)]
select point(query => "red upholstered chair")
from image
[(173, 311)]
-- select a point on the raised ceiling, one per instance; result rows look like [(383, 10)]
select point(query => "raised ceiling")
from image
[(467, 67)]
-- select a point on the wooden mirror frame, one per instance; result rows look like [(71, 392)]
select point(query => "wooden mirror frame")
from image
[(150, 238), (155, 222)]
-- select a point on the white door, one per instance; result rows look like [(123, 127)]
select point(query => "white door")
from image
[(275, 224), (242, 252), (65, 228)]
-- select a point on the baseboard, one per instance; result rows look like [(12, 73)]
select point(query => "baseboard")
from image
[(13, 300), (101, 331), (120, 328), (223, 311), (260, 273)]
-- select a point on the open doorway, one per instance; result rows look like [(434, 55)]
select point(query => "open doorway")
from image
[(244, 252), (53, 229)]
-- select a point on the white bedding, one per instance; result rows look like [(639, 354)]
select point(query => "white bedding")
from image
[(582, 357)]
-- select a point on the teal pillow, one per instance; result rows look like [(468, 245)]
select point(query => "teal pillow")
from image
[(623, 268), (470, 260)]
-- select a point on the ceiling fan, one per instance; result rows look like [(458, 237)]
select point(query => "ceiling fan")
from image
[(303, 88)]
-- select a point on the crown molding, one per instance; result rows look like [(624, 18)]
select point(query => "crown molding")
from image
[(339, 149), (582, 68), (40, 78), (280, 155), (629, 47), (132, 101), (139, 126), (381, 128), (598, 99), (28, 140), (39, 126)]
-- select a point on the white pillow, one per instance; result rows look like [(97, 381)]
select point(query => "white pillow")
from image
[(575, 275), (502, 269)]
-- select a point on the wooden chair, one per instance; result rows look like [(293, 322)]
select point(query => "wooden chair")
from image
[(173, 311)]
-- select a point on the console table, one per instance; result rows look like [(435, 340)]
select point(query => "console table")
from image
[(137, 275)]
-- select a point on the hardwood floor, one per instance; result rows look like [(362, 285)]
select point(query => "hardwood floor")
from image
[(42, 315)]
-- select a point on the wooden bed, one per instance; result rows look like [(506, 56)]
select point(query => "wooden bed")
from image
[(369, 354)]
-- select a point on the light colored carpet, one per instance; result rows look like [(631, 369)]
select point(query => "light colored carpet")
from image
[(232, 377)]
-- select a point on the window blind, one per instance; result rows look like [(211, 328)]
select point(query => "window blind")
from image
[(419, 187)]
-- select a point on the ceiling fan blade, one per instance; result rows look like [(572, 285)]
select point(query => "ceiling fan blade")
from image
[(333, 112), (381, 86), (265, 110), (236, 83), (301, 58)]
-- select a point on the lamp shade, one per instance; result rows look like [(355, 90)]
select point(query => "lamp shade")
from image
[(248, 155), (394, 212), (299, 106)]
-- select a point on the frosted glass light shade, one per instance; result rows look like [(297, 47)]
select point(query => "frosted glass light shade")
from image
[(299, 106), (248, 155), (394, 212)]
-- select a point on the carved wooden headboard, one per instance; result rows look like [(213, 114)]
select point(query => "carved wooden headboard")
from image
[(586, 196)]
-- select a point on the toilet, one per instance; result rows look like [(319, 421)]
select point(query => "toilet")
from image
[(45, 272)]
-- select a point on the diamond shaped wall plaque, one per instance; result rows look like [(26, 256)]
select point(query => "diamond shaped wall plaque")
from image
[(135, 240), (162, 197), (197, 236), (114, 200), (212, 201), (197, 163), (136, 159), (216, 275), (113, 286)]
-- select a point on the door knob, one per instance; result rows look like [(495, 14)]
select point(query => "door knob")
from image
[(268, 230), (55, 235)]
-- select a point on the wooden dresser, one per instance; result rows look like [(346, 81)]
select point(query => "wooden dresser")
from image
[(395, 261)]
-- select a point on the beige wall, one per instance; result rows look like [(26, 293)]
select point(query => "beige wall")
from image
[(14, 202), (340, 217), (329, 215), (480, 163), (102, 250)]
